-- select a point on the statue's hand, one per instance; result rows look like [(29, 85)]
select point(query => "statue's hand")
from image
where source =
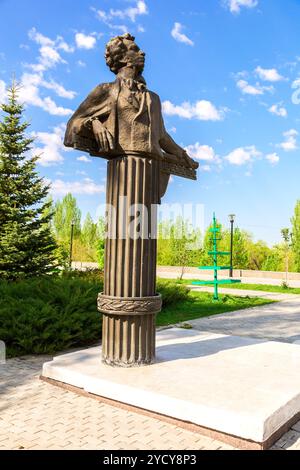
[(103, 136)]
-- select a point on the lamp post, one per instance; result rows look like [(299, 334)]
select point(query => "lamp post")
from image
[(231, 219), (71, 242)]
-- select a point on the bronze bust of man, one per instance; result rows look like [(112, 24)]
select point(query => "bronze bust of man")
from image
[(124, 116)]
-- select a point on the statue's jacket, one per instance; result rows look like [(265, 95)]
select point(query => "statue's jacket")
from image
[(104, 103)]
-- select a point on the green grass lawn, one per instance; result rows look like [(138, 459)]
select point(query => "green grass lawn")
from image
[(202, 304), (241, 286), (266, 288)]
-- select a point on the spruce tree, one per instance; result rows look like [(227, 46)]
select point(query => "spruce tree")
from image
[(26, 243)]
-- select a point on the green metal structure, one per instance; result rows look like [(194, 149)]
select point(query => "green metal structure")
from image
[(215, 253)]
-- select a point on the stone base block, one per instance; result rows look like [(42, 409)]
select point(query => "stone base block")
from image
[(242, 388)]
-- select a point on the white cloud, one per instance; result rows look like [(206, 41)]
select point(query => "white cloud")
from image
[(236, 5), (101, 14), (268, 75), (177, 34), (84, 159), (51, 107), (106, 18), (202, 110), (278, 110), (80, 63), (2, 91), (119, 27), (49, 145), (206, 168), (61, 44), (290, 142), (248, 89), (204, 153), (242, 155), (48, 58), (130, 12), (30, 94), (49, 55), (58, 89), (273, 158), (201, 152), (84, 41), (44, 41), (39, 38), (84, 187)]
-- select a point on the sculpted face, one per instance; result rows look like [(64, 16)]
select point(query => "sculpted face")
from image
[(133, 57)]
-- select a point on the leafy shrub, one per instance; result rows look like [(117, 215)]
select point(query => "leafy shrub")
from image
[(54, 313), (94, 275), (48, 314), (171, 292)]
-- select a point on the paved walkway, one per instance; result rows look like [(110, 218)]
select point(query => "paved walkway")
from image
[(36, 415), (278, 321)]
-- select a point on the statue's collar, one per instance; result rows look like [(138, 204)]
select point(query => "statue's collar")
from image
[(128, 74)]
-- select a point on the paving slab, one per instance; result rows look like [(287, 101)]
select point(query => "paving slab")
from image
[(242, 387)]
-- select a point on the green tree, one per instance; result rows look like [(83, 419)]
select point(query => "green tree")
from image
[(275, 259), (66, 212), (89, 232), (89, 239), (178, 244), (259, 252), (164, 249), (26, 243), (241, 240), (296, 236), (101, 241)]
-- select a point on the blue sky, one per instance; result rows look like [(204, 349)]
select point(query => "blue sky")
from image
[(227, 72)]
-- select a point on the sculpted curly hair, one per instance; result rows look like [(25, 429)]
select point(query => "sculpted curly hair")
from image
[(115, 50)]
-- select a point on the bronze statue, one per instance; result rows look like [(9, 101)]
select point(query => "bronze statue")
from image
[(122, 122)]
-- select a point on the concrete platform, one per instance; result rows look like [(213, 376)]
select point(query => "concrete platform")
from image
[(245, 388)]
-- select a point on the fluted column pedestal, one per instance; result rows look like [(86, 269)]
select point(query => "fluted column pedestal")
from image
[(129, 303)]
